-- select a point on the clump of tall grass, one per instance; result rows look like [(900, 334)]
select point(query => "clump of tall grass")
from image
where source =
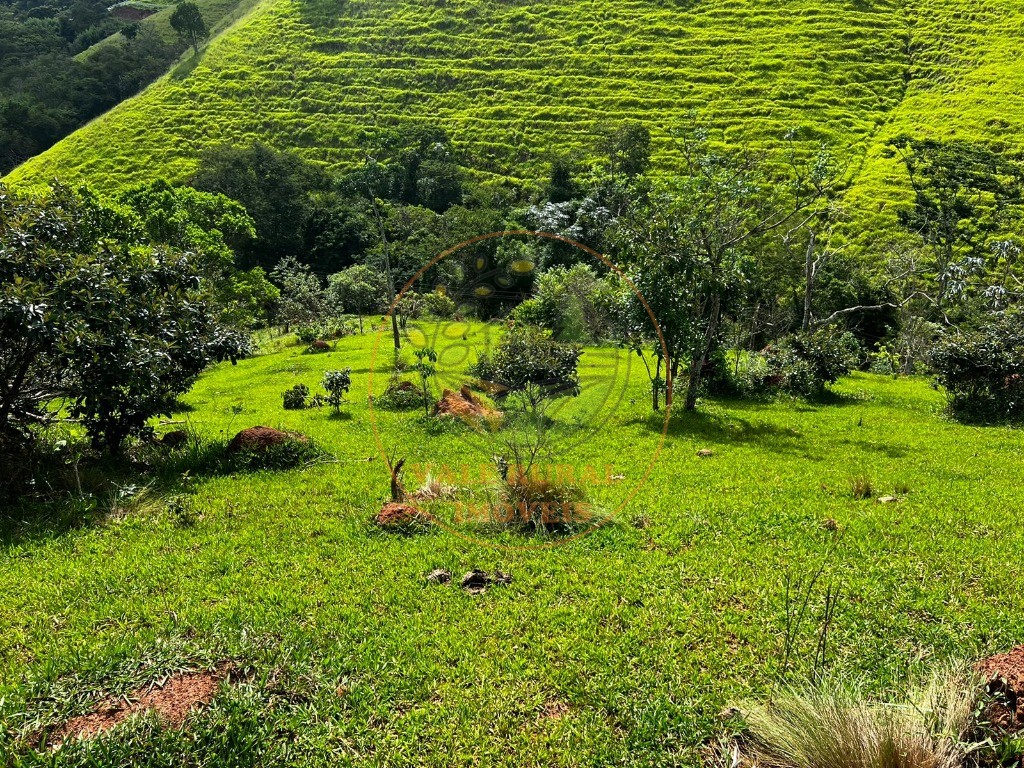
[(835, 726)]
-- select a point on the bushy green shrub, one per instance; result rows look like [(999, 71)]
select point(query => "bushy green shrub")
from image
[(982, 370), (307, 334), (400, 395), (528, 356), (439, 305), (804, 364), (482, 369), (295, 398)]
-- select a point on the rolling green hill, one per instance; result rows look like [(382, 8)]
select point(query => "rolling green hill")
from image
[(513, 81)]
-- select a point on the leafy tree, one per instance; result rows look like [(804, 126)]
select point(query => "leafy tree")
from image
[(360, 290), (572, 302), (967, 204), (187, 21), (691, 245), (627, 147), (276, 189), (214, 227), (302, 298), (337, 384), (93, 317)]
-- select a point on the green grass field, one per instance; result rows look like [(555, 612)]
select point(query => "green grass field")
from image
[(513, 83), (618, 647)]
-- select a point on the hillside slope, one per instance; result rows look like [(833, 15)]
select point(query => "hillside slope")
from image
[(513, 82)]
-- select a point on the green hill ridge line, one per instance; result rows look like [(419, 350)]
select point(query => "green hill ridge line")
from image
[(514, 82)]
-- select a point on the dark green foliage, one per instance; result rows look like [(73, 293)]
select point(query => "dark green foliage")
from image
[(188, 22), (982, 369), (47, 90), (276, 190), (804, 364), (359, 290), (627, 148), (92, 317), (528, 357), (302, 298), (295, 398)]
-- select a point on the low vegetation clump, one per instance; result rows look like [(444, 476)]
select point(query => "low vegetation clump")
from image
[(539, 503), (830, 726), (803, 365)]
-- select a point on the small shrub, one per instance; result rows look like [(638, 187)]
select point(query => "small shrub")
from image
[(307, 334), (295, 398), (804, 364), (439, 305), (982, 370), (399, 396), (337, 384)]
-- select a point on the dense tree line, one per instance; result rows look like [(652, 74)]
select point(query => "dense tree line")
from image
[(47, 91)]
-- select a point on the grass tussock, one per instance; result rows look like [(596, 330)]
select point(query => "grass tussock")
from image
[(540, 502), (833, 726), (861, 487)]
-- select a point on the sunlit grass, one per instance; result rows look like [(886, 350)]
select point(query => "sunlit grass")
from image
[(640, 632)]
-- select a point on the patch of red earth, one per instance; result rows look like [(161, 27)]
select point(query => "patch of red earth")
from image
[(172, 699), (463, 405), (395, 514), (259, 439), (1005, 676)]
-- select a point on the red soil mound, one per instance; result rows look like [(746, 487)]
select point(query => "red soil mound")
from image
[(259, 439), (1005, 673), (397, 515), (172, 699), (463, 405)]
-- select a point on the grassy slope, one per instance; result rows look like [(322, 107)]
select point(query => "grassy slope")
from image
[(509, 81), (512, 81), (644, 633)]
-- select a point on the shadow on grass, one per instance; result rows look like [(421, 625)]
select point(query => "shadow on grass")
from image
[(64, 498), (728, 430)]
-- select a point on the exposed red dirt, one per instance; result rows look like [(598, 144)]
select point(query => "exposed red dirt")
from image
[(394, 514), (259, 439), (1005, 674), (463, 405), (172, 699)]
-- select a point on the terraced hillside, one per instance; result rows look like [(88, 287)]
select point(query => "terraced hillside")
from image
[(512, 81)]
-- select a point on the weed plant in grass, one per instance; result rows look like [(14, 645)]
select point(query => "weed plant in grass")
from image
[(636, 635)]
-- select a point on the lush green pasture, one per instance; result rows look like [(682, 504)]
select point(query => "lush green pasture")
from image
[(619, 647), (513, 82)]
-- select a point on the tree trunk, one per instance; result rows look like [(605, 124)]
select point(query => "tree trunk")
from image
[(808, 285), (697, 363)]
